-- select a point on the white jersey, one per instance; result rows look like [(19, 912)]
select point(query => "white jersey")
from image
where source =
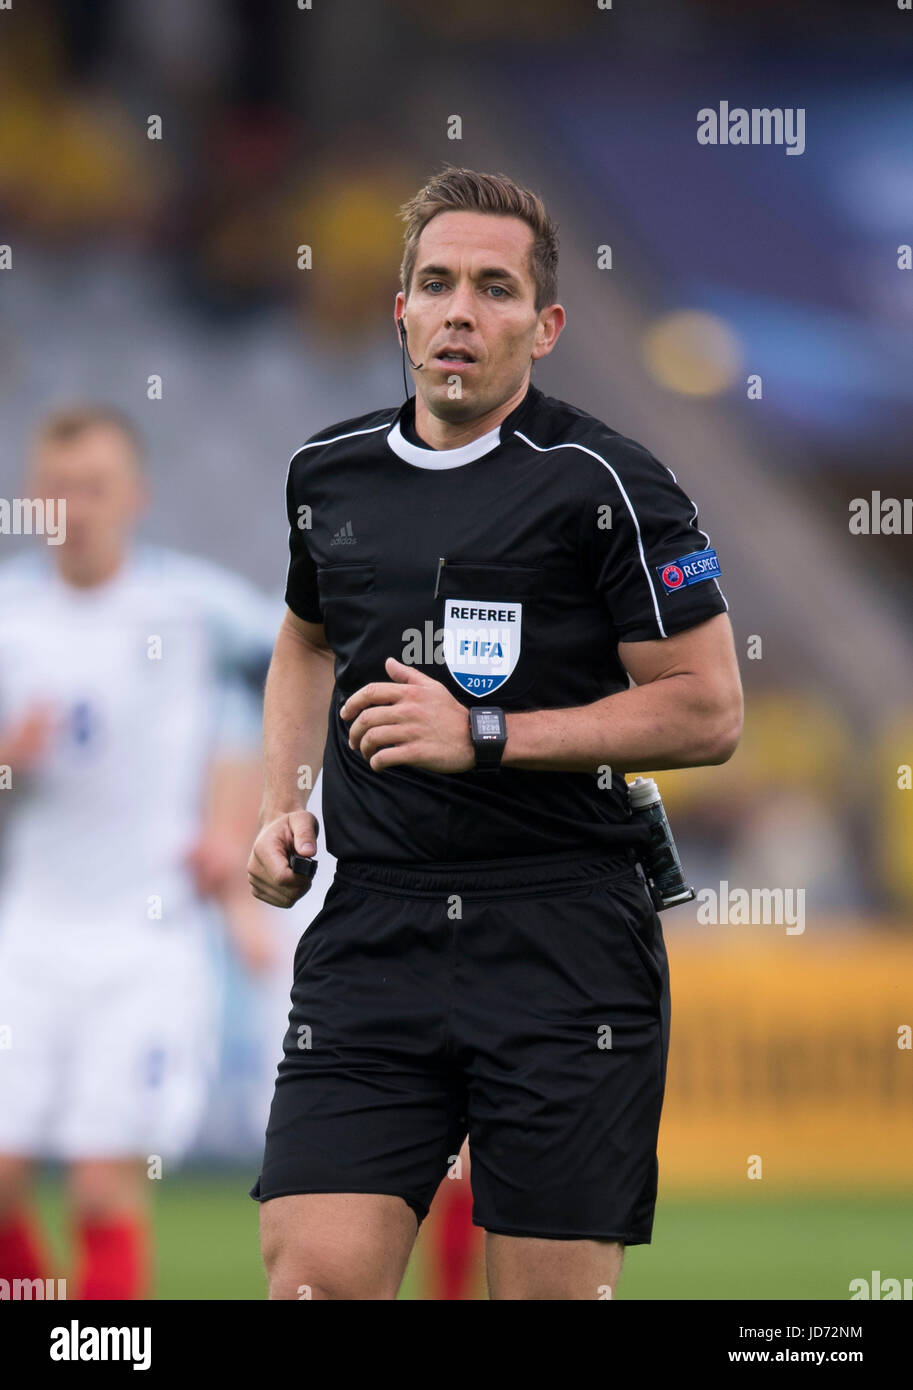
[(147, 674)]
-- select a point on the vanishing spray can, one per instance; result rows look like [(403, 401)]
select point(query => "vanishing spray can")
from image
[(663, 868)]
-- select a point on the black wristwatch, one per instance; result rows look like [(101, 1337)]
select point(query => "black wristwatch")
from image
[(488, 731)]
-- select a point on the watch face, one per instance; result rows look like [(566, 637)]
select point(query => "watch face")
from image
[(488, 724)]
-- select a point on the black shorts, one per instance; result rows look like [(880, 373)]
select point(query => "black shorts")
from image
[(524, 1002)]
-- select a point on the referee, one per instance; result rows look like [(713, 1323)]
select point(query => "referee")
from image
[(473, 578)]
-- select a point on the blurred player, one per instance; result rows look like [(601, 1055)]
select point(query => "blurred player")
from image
[(129, 775), (453, 1251)]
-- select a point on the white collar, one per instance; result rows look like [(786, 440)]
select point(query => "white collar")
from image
[(442, 458)]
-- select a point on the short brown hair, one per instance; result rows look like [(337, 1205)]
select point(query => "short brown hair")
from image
[(465, 190), (68, 422)]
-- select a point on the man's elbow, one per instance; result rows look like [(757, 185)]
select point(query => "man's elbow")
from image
[(727, 732)]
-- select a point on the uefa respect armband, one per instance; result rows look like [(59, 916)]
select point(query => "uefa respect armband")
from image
[(690, 569)]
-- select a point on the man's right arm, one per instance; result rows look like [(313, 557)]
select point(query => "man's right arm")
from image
[(299, 689)]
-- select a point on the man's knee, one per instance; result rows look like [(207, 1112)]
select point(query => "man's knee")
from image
[(15, 1173), (281, 1276), (531, 1267), (103, 1188), (335, 1245), (305, 1270)]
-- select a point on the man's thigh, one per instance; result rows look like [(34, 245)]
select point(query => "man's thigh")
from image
[(336, 1245), (144, 1054), (564, 1014), (526, 1267), (367, 1102), (35, 1018)]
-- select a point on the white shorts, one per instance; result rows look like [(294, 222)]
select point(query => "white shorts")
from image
[(108, 1043)]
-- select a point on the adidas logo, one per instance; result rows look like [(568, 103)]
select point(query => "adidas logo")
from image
[(344, 536)]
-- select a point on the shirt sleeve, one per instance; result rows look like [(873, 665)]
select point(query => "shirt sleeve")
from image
[(243, 627), (237, 720), (642, 549), (237, 624), (301, 593), (243, 624)]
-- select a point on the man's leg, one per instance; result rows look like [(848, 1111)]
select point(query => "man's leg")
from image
[(31, 1004), (564, 1017), (15, 1177), (367, 1099), (521, 1267), (336, 1245), (23, 1253), (452, 1244), (109, 1204)]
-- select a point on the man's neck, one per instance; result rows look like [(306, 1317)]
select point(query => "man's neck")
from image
[(90, 572), (447, 434)]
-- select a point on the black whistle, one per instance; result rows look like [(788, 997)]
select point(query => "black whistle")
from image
[(307, 868)]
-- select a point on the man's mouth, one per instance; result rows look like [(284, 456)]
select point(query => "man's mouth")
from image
[(454, 357)]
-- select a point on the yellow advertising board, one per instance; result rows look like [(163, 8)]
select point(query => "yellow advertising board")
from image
[(790, 1058)]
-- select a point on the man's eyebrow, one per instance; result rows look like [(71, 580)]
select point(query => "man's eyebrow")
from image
[(492, 272)]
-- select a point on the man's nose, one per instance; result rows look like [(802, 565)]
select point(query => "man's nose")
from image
[(460, 308)]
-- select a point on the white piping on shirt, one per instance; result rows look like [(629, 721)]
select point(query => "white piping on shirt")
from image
[(547, 449), (319, 443)]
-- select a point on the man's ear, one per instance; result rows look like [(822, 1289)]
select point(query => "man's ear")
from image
[(545, 341)]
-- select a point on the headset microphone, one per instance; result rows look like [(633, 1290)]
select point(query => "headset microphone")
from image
[(417, 366)]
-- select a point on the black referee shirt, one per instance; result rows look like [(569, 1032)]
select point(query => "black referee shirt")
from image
[(559, 538)]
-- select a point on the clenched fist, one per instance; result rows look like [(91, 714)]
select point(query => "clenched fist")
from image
[(271, 880)]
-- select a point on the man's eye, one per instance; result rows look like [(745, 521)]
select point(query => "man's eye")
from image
[(503, 292), (433, 282)]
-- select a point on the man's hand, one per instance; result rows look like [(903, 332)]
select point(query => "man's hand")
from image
[(250, 931), (268, 873), (23, 744), (415, 721), (214, 860)]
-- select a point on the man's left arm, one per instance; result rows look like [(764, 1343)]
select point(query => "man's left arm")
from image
[(685, 710), (656, 573), (241, 623)]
